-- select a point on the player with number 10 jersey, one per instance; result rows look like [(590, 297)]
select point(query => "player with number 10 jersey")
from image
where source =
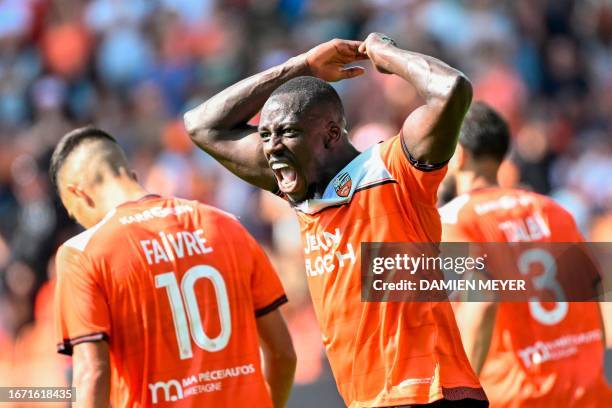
[(174, 287)]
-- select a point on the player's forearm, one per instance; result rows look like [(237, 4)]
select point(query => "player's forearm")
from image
[(477, 350), (434, 80), (605, 315), (92, 385), (280, 371), (235, 106), (476, 321)]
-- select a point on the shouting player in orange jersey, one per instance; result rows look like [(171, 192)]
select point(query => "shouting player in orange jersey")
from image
[(527, 355), (381, 354), (161, 300)]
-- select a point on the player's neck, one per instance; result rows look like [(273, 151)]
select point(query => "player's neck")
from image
[(468, 181), (119, 191), (341, 158)]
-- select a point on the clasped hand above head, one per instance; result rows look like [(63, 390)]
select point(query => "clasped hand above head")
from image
[(329, 60)]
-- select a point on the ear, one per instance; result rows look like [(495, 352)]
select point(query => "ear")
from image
[(79, 193), (461, 157), (334, 134), (130, 173)]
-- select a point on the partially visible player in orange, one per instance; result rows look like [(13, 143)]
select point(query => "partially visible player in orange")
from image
[(527, 354), (161, 300)]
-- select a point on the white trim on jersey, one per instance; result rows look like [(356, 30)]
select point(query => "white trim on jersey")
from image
[(81, 240), (366, 169), (449, 213)]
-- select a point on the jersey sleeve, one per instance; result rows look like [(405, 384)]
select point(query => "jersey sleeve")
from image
[(266, 287), (81, 311), (420, 181)]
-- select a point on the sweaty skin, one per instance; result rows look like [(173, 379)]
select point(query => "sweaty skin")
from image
[(430, 132), (220, 125), (298, 148)]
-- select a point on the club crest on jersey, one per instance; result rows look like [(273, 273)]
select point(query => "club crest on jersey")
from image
[(342, 184)]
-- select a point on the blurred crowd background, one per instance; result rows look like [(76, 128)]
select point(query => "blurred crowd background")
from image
[(133, 67)]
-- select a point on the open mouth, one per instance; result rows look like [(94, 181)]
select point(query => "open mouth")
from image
[(286, 175)]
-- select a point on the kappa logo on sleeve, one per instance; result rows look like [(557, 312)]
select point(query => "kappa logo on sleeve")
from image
[(342, 184)]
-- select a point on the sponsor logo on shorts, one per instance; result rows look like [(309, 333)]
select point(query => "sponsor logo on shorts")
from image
[(172, 391), (204, 382)]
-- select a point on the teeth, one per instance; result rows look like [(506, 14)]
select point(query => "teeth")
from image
[(278, 166)]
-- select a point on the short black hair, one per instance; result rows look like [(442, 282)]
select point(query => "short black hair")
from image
[(484, 133), (312, 91), (71, 141)]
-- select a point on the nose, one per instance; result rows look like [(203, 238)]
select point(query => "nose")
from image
[(273, 145)]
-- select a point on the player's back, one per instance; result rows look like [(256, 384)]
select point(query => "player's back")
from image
[(180, 285), (541, 354), (509, 215)]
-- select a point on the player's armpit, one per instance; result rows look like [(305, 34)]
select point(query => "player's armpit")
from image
[(91, 374), (476, 321), (279, 356)]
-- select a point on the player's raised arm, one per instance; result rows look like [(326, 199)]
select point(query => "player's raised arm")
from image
[(430, 131), (91, 376), (279, 356), (476, 321), (220, 126)]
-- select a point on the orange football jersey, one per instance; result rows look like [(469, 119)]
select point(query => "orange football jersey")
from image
[(541, 354), (174, 286), (381, 353)]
